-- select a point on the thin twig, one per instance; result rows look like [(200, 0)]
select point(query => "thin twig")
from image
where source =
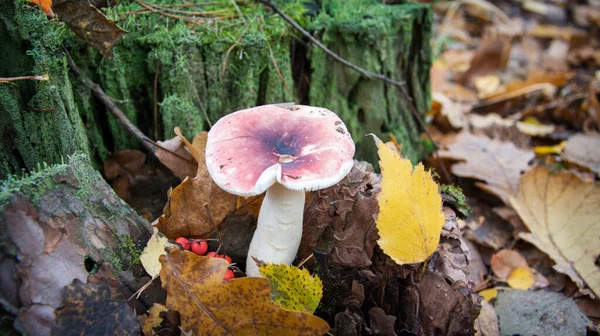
[(8, 307), (366, 73), (335, 56), (156, 99), (168, 150), (162, 12), (202, 108), (215, 227), (13, 79), (110, 105), (305, 260)]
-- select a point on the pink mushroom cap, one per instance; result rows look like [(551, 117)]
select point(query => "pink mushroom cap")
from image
[(300, 147)]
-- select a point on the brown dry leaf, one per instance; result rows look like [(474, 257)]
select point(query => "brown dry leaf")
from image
[(487, 321), (182, 164), (498, 164), (440, 84), (186, 206), (586, 56), (89, 23), (185, 215), (492, 56), (536, 80), (584, 150), (153, 319), (511, 267), (125, 162), (92, 309), (447, 111), (209, 305), (562, 212)]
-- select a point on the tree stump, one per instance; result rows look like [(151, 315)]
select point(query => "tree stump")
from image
[(60, 224)]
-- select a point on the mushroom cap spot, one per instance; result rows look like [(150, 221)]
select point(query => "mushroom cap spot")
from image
[(302, 148)]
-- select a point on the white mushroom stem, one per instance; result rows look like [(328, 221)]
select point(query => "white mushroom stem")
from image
[(279, 228)]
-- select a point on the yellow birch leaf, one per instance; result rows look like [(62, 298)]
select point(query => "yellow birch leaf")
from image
[(489, 294), (521, 278), (562, 212), (293, 288), (410, 216), (152, 252)]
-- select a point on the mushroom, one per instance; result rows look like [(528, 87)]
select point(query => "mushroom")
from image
[(284, 150)]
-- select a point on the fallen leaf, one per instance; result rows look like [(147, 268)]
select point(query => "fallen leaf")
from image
[(45, 5), (521, 278), (562, 212), (584, 150), (293, 288), (381, 323), (487, 321), (447, 111), (505, 261), (489, 294), (152, 320), (487, 84), (536, 80), (92, 309), (490, 57), (545, 150), (568, 34), (186, 206), (498, 164), (479, 121), (207, 304), (153, 250), (409, 230), (89, 23), (539, 313), (125, 162), (183, 164)]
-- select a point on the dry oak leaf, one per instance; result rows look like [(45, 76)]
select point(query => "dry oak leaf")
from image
[(410, 217), (185, 215), (497, 163), (173, 154), (89, 23), (562, 212), (243, 306)]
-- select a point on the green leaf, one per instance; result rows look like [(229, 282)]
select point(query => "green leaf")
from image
[(293, 288)]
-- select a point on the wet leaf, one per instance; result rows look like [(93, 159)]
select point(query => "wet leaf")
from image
[(153, 250), (499, 164), (539, 313), (89, 23), (293, 288), (92, 309), (562, 212), (410, 216), (207, 304)]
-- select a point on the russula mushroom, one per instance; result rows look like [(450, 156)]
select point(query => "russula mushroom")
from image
[(284, 150)]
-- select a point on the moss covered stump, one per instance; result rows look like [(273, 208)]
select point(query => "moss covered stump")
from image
[(384, 39)]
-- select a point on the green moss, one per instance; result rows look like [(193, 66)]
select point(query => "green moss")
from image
[(461, 200), (35, 113)]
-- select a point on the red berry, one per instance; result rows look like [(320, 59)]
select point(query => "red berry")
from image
[(229, 275), (211, 254), (184, 242), (199, 247), (228, 258)]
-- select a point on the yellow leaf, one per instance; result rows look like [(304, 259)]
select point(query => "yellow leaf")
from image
[(521, 278), (562, 212), (153, 319), (293, 288), (556, 149), (210, 306), (153, 250), (489, 294), (410, 216)]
